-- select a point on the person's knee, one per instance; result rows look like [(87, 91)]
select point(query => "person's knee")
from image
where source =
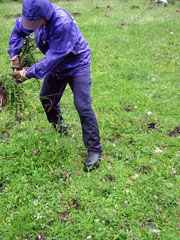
[(82, 107), (46, 101)]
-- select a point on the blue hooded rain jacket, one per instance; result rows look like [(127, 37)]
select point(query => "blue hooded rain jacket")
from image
[(60, 40)]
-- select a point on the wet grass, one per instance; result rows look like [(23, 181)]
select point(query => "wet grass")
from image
[(44, 193)]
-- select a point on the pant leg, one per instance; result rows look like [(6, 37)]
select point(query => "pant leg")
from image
[(80, 86), (51, 92)]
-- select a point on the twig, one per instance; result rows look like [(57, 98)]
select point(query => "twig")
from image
[(6, 157)]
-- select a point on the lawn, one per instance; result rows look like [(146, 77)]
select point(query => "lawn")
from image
[(135, 193)]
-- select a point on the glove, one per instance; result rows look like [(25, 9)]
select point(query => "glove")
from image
[(20, 76), (15, 62)]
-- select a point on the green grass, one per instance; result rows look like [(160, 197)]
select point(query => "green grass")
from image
[(135, 94)]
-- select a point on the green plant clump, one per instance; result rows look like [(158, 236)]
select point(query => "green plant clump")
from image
[(13, 91), (15, 95), (27, 55)]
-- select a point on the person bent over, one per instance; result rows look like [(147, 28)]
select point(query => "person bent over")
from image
[(67, 61)]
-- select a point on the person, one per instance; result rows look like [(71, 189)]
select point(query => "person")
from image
[(67, 61)]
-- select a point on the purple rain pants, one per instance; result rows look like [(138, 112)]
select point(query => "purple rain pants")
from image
[(50, 96)]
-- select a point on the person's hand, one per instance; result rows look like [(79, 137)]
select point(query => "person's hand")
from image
[(20, 76), (15, 62)]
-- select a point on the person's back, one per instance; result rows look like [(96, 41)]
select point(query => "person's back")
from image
[(78, 60)]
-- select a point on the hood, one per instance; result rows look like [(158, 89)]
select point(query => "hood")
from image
[(34, 9)]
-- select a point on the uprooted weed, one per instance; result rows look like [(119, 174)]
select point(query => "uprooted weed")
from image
[(12, 93), (15, 96)]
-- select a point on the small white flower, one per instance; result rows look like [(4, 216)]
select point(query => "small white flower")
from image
[(89, 237), (35, 202), (158, 150), (171, 33), (155, 230), (38, 217), (135, 107), (135, 176), (149, 113)]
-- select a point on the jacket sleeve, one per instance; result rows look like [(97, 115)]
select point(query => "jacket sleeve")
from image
[(60, 44), (16, 41)]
